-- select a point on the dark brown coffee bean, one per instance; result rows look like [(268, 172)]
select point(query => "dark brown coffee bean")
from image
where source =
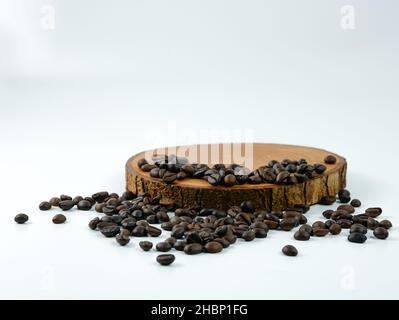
[(223, 242), (55, 202), (288, 224), (301, 235), (282, 176), (248, 235), (372, 223), (344, 196), (99, 197), (213, 247), (335, 229), (373, 212), (339, 214), (327, 214), (357, 237), (346, 207), (90, 199), (110, 231), (290, 251), (139, 231), (306, 228), (77, 199), (193, 248), (169, 177), (125, 232), (146, 245), (230, 180), (59, 218), (45, 206), (147, 167), (320, 232), (356, 203), (167, 226), (359, 228), (66, 205), (230, 237), (172, 241), (180, 244), (84, 205), (385, 224), (99, 207), (93, 223), (248, 206), (291, 214), (154, 173), (319, 168), (142, 162), (271, 224), (163, 246), (21, 218), (123, 240), (381, 233), (166, 259), (330, 159), (319, 224), (345, 223), (153, 231), (64, 197), (327, 200)]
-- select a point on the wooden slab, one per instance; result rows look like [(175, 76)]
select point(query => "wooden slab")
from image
[(271, 197)]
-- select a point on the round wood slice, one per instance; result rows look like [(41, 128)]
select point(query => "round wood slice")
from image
[(271, 197)]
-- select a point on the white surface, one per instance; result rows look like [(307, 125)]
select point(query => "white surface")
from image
[(79, 98)]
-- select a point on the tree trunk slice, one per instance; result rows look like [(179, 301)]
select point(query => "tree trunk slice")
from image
[(190, 193)]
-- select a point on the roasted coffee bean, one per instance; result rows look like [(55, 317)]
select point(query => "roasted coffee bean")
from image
[(99, 207), (213, 247), (139, 231), (138, 214), (359, 228), (163, 246), (223, 242), (125, 232), (260, 233), (320, 232), (345, 223), (327, 200), (230, 237), (172, 241), (319, 224), (290, 251), (146, 245), (248, 206), (169, 177), (77, 199), (109, 210), (282, 176), (110, 231), (152, 219), (214, 179), (328, 223), (291, 214), (84, 205), (254, 180), (372, 223), (344, 196), (142, 162), (166, 259), (357, 237), (335, 229), (381, 233), (55, 202), (90, 199), (128, 196), (248, 235), (64, 197), (319, 168), (327, 214), (178, 233), (66, 205), (116, 219), (373, 212), (301, 235), (45, 206), (180, 244), (271, 224), (103, 224), (153, 231), (356, 203), (200, 172), (59, 218), (306, 228), (123, 240), (385, 224), (93, 223), (128, 223), (330, 159), (346, 207), (21, 218), (154, 173), (181, 175), (339, 214), (230, 180), (167, 226), (147, 167), (162, 216), (193, 248)]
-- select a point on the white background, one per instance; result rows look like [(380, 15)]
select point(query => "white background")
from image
[(115, 78)]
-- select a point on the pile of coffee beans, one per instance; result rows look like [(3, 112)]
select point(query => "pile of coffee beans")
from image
[(170, 168)]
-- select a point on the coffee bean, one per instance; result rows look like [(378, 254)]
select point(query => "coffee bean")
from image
[(359, 228), (260, 233), (335, 229), (166, 259), (147, 167), (213, 247), (346, 207), (128, 223), (162, 216), (373, 212), (125, 232), (356, 203), (179, 245), (66, 205), (116, 219), (290, 251), (44, 206), (128, 196), (319, 168), (230, 180), (146, 245), (248, 235), (282, 176), (344, 196), (55, 202), (84, 205), (327, 214), (372, 223), (93, 223), (306, 228), (357, 237), (110, 231), (301, 235), (172, 241), (345, 223), (167, 226), (163, 246), (319, 224), (327, 200), (59, 218), (123, 240), (154, 173), (193, 248), (77, 199), (248, 206), (320, 232), (381, 233), (139, 231), (169, 177), (153, 231), (330, 159), (385, 224), (142, 162), (21, 218), (99, 207), (214, 179), (223, 242), (64, 197)]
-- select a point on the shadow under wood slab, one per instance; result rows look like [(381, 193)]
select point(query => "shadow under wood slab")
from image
[(271, 197)]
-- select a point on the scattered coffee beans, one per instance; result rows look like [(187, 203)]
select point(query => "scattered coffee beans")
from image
[(166, 259), (21, 218), (290, 251), (59, 218)]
